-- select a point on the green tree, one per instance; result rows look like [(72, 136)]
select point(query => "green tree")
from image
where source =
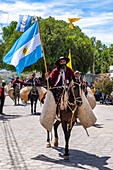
[(104, 84), (58, 38)]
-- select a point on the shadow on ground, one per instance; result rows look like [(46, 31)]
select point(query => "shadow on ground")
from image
[(6, 117), (78, 159), (95, 125)]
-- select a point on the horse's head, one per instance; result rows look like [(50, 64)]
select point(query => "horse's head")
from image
[(17, 88), (76, 91)]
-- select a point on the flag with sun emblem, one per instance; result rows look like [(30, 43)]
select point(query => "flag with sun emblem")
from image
[(26, 50)]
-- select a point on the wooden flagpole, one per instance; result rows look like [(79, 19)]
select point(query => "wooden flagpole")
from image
[(43, 51)]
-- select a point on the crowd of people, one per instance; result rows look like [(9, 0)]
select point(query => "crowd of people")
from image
[(106, 100), (101, 97)]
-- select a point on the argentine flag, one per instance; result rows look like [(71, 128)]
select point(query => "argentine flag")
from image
[(24, 23), (26, 50)]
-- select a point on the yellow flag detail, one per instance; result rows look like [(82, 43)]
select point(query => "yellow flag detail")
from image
[(69, 64), (71, 20)]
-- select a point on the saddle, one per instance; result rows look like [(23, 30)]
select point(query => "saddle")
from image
[(57, 93)]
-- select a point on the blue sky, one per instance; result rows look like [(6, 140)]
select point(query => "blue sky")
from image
[(97, 16)]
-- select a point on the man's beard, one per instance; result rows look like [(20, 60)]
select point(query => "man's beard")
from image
[(62, 67)]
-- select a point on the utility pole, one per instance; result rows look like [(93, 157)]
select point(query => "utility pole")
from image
[(101, 50), (94, 58), (102, 63)]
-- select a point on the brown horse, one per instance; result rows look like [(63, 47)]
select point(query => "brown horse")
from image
[(67, 114)]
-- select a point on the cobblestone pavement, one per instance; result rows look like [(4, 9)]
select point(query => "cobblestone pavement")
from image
[(23, 142)]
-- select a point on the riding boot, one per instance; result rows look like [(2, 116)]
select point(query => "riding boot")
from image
[(34, 110)]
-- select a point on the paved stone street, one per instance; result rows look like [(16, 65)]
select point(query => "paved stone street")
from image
[(23, 142)]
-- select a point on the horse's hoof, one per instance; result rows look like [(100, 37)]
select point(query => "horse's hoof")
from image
[(56, 142), (66, 157), (48, 145)]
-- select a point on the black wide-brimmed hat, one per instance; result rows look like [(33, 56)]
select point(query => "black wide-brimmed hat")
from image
[(62, 58), (33, 73)]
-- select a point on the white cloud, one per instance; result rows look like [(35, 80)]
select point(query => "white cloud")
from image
[(92, 22)]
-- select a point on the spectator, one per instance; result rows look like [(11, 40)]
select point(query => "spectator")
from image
[(108, 100), (94, 92), (101, 100), (111, 100), (2, 97), (98, 95)]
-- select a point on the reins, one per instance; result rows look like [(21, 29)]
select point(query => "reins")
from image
[(72, 104), (75, 99)]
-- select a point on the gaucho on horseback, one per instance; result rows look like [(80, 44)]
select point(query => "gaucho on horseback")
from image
[(33, 95), (63, 89), (33, 81), (66, 99), (17, 85)]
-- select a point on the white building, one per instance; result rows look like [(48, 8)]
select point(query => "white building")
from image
[(111, 72)]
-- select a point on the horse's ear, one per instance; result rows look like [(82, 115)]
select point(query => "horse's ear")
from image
[(73, 77)]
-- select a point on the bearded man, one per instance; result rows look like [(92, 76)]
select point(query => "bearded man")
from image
[(61, 74)]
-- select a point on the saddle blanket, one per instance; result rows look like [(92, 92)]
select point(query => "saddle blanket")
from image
[(85, 113), (91, 98), (48, 113), (10, 92)]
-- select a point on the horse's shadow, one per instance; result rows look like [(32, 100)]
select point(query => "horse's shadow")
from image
[(36, 114), (19, 105), (95, 125), (7, 117), (78, 159)]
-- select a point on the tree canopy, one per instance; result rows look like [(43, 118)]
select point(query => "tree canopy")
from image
[(104, 84), (58, 38)]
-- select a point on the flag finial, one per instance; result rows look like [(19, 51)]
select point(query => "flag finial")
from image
[(71, 20)]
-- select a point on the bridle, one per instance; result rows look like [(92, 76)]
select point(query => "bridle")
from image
[(80, 92), (76, 99)]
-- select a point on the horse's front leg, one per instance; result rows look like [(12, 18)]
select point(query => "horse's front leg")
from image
[(35, 105), (15, 97), (18, 100), (31, 106), (67, 132), (56, 124), (48, 140)]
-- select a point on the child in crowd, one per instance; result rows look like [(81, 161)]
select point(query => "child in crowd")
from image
[(101, 100)]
